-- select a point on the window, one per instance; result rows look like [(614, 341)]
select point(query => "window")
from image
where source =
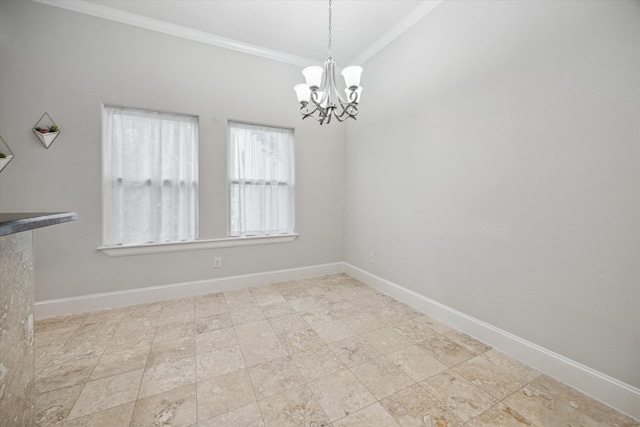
[(150, 177), (261, 180)]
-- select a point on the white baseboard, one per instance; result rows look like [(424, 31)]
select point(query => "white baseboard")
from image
[(58, 307), (602, 387)]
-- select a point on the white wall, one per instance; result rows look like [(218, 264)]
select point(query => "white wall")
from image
[(495, 169), (68, 64)]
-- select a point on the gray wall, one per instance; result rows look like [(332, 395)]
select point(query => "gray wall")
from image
[(495, 169), (68, 64)]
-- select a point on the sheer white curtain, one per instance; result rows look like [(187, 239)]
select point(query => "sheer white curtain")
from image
[(150, 176), (261, 180)]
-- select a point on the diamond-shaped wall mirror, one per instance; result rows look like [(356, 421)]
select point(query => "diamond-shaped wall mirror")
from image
[(46, 130), (5, 154)]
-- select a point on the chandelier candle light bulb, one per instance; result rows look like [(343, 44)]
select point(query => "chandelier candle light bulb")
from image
[(321, 100)]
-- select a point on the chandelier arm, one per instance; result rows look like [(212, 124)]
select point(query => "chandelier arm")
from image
[(353, 97), (350, 112), (349, 108), (317, 102), (326, 96), (329, 84), (327, 117), (346, 105), (304, 110), (340, 119), (304, 116), (334, 86), (322, 113)]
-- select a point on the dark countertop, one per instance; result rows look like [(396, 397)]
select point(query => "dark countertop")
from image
[(11, 223)]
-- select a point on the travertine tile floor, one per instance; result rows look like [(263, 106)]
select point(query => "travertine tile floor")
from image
[(327, 351)]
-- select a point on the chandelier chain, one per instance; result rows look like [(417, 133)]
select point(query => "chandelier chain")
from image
[(330, 55)]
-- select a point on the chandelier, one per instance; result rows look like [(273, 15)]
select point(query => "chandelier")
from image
[(321, 100)]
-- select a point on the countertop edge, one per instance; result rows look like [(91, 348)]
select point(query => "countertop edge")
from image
[(11, 223)]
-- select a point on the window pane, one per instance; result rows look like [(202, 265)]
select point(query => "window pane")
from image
[(261, 180), (150, 176)]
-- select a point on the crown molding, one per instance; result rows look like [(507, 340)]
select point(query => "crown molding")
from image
[(111, 14), (424, 8)]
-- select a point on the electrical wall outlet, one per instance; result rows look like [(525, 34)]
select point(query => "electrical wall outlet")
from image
[(217, 262), (370, 257)]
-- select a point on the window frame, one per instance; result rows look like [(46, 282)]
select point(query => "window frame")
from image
[(162, 182), (230, 181)]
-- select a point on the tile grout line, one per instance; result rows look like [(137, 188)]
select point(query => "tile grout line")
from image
[(146, 365), (93, 370)]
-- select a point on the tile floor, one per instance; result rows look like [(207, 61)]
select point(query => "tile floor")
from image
[(327, 351)]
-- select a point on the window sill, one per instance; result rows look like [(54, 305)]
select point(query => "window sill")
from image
[(230, 242)]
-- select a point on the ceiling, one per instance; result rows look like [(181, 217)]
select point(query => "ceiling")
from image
[(294, 31)]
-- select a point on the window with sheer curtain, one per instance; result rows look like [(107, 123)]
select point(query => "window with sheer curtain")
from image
[(150, 177), (261, 180)]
